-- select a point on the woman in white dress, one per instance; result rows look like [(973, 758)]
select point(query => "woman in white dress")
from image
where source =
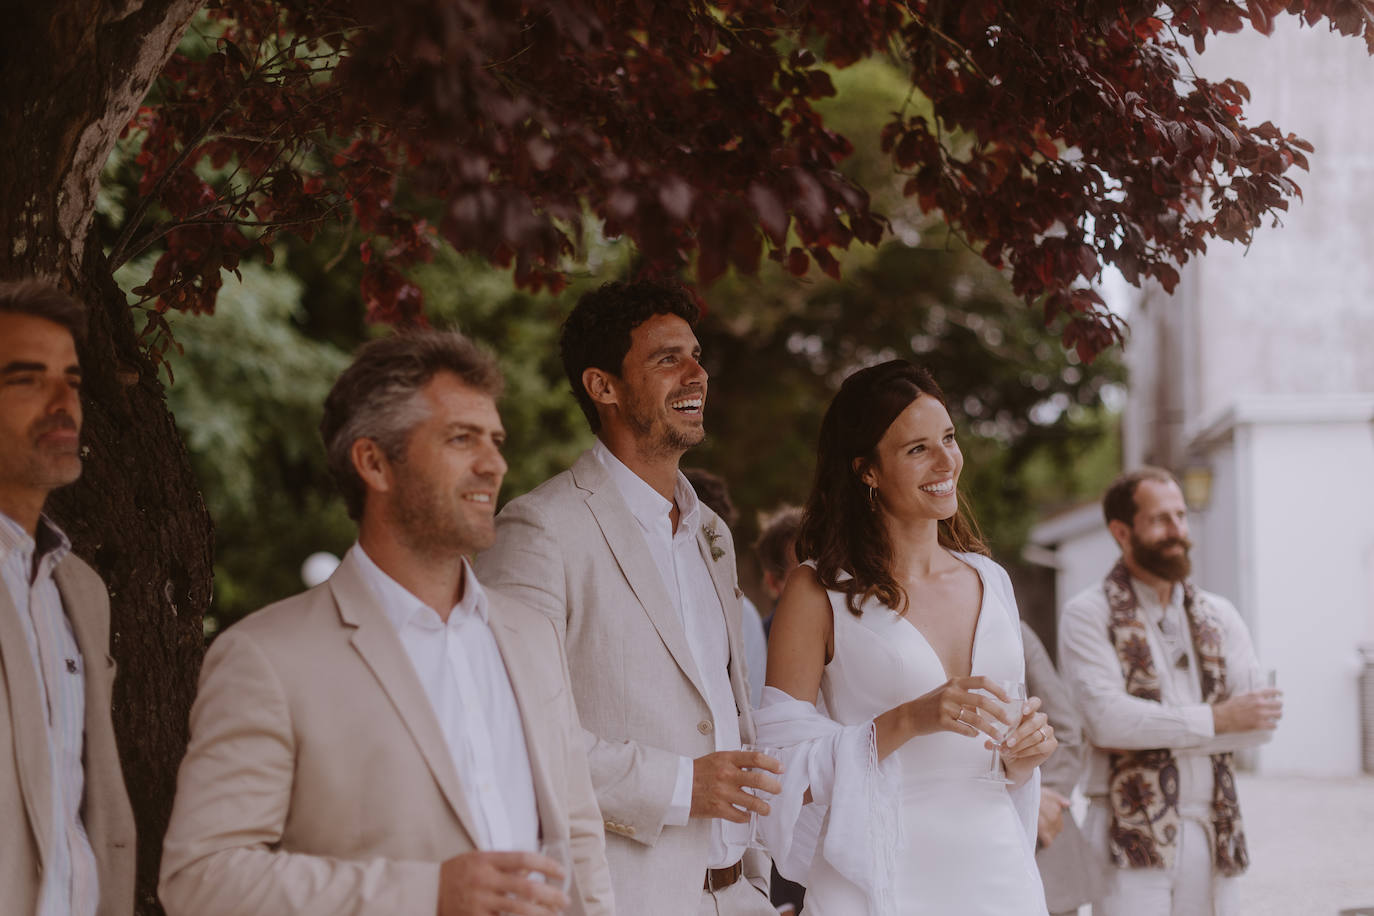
[(897, 618)]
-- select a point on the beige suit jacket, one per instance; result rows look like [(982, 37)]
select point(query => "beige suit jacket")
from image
[(572, 549), (318, 781), (26, 788)]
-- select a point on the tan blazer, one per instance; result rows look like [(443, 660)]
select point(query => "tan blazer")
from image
[(572, 549), (318, 781), (26, 787)]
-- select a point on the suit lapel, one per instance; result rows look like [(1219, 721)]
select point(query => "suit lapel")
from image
[(623, 535), (552, 819), (376, 641), (724, 580)]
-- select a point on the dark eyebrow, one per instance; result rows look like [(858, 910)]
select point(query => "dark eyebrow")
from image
[(18, 366), (460, 426), (21, 366)]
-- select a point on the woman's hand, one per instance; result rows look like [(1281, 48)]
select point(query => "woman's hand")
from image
[(1029, 744), (954, 706)]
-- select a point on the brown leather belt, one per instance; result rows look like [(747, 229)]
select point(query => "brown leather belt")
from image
[(718, 879)]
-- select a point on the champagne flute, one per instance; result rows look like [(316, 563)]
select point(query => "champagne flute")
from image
[(755, 841), (1012, 707)]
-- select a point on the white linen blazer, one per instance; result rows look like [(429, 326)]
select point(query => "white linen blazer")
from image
[(572, 549)]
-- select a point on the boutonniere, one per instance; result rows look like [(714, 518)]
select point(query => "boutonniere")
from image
[(712, 535)]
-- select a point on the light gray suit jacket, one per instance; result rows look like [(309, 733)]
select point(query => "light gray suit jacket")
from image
[(572, 549), (318, 780), (26, 788)]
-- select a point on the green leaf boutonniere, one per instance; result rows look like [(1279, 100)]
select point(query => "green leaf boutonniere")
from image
[(712, 535)]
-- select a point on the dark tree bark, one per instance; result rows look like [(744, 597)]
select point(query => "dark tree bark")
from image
[(75, 72)]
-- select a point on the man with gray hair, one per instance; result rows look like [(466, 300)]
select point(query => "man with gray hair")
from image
[(67, 834), (396, 740)]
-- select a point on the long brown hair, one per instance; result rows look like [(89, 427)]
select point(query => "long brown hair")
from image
[(841, 530)]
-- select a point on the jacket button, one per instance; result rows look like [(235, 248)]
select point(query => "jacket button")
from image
[(705, 726)]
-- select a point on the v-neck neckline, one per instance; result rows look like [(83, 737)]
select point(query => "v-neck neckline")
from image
[(977, 625)]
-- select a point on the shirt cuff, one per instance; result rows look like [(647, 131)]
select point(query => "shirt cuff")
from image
[(680, 808)]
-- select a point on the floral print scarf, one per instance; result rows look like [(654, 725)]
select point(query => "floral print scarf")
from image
[(1143, 785)]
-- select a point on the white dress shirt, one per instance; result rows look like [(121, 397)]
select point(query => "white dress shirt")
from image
[(465, 678), (677, 554), (71, 884), (1181, 721)]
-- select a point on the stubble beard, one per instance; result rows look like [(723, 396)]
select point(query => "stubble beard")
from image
[(1153, 559), (430, 531), (47, 467), (663, 438)]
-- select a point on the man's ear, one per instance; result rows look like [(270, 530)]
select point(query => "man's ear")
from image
[(599, 386), (1120, 532), (371, 464)]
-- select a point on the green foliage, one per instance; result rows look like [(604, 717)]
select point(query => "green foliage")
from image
[(1028, 412), (247, 394)]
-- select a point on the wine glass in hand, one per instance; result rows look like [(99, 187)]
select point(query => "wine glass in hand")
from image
[(1013, 707)]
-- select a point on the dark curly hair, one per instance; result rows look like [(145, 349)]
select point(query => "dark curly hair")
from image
[(840, 529), (596, 335)]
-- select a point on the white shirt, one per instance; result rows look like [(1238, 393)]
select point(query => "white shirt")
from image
[(688, 582), (465, 678), (71, 884), (1181, 721)]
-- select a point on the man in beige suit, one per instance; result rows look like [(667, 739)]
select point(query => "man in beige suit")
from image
[(396, 741), (66, 828), (641, 578)]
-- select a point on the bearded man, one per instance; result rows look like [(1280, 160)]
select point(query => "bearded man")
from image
[(1166, 678)]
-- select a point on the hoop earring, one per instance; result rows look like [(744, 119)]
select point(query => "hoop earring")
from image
[(873, 498)]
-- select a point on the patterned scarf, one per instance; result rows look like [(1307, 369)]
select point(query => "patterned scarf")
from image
[(1143, 785)]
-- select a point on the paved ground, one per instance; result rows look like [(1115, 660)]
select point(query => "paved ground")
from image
[(1311, 845)]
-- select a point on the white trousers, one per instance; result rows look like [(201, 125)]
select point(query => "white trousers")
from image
[(1189, 888), (739, 899)]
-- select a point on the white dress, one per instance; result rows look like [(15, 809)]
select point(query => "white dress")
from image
[(965, 849)]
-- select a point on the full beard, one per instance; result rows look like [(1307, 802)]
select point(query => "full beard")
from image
[(1152, 558)]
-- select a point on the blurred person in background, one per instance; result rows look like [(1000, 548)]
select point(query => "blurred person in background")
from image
[(1166, 679), (776, 551), (1067, 868)]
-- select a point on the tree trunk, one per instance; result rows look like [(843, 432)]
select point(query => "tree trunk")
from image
[(74, 72)]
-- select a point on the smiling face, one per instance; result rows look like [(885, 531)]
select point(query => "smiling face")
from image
[(659, 397), (442, 494), (40, 412), (917, 463)]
